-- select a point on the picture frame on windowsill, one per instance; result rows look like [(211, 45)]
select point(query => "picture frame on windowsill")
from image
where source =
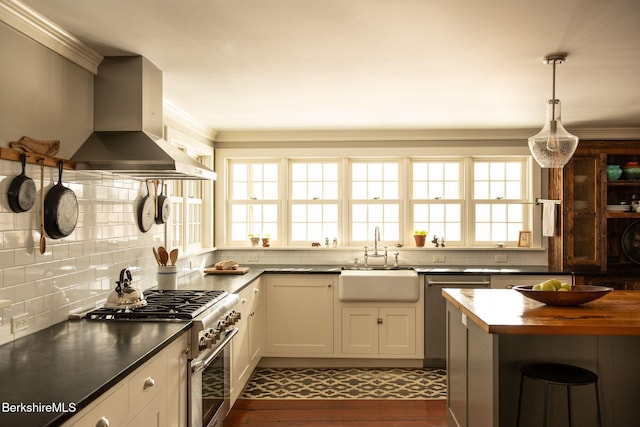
[(524, 239)]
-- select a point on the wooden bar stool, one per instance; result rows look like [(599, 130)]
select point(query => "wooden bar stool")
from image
[(562, 375)]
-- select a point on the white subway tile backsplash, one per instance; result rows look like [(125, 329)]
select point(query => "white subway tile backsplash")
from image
[(80, 270), (13, 276)]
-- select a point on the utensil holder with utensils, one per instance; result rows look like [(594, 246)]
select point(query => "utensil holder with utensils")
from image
[(167, 277)]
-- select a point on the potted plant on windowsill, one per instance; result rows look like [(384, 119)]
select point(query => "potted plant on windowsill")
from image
[(265, 241), (255, 239), (420, 236)]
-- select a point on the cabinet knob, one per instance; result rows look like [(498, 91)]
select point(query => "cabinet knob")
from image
[(256, 290), (149, 382), (103, 422), (379, 321), (328, 286), (244, 300)]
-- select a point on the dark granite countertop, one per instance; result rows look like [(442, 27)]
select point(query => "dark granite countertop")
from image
[(71, 364), (74, 362)]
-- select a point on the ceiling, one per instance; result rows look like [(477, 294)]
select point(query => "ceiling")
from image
[(273, 65)]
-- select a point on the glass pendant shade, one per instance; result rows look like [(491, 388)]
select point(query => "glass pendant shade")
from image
[(553, 146)]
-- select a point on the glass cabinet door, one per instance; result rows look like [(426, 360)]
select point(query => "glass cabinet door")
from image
[(581, 208)]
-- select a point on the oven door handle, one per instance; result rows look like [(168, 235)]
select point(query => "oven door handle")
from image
[(202, 364)]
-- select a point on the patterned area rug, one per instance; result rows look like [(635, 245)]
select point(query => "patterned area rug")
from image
[(346, 383)]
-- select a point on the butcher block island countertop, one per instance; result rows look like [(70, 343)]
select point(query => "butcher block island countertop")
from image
[(505, 311), (492, 333)]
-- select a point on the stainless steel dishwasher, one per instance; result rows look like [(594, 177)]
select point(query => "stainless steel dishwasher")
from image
[(435, 339)]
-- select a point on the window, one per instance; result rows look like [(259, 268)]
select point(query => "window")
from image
[(437, 198), (254, 200), (499, 200), (469, 201), (375, 195), (314, 209)]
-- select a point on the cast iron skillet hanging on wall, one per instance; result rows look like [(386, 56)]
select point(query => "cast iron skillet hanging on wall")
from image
[(22, 190), (162, 215), (146, 211), (60, 209)]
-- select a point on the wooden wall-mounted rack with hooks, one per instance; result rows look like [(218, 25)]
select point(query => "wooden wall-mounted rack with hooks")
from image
[(35, 158)]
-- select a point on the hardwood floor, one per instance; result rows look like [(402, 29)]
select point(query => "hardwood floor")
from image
[(335, 413)]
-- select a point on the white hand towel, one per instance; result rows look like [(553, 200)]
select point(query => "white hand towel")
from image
[(549, 219)]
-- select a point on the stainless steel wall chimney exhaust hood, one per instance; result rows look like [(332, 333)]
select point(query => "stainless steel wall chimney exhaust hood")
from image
[(128, 124)]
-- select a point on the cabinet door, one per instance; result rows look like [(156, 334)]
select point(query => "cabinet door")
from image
[(240, 370), (177, 382), (257, 328), (360, 330), (299, 315), (397, 332), (582, 211), (153, 415)]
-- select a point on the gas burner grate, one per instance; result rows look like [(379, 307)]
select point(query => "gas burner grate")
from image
[(163, 305)]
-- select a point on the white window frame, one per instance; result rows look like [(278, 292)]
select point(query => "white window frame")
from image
[(461, 200), (376, 200), (319, 201), (525, 201), (251, 201)]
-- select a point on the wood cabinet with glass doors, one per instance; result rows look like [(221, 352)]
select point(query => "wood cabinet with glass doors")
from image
[(597, 225)]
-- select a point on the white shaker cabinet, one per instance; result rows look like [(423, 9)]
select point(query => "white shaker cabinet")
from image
[(378, 330), (300, 315)]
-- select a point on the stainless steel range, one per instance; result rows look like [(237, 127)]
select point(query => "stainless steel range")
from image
[(213, 318)]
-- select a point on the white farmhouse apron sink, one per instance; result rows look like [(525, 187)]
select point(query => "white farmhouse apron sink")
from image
[(384, 285)]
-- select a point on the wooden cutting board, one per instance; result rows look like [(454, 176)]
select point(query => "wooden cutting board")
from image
[(239, 270)]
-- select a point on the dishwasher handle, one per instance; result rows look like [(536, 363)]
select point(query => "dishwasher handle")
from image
[(453, 284)]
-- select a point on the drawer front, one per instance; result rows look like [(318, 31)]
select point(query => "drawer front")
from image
[(111, 407), (147, 382)]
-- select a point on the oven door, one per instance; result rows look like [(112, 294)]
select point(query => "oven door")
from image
[(209, 385)]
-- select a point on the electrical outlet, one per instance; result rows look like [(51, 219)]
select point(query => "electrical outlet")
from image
[(19, 323), (253, 258), (439, 259), (501, 259)]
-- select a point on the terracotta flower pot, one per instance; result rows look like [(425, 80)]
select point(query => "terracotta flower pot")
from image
[(265, 242), (420, 239)]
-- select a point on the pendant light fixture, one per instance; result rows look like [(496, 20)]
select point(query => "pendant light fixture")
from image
[(553, 146)]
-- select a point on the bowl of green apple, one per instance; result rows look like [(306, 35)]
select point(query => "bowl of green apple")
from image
[(554, 292)]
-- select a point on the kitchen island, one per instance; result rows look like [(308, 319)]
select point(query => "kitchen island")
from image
[(491, 333)]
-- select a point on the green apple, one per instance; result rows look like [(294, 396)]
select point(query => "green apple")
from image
[(547, 286), (556, 283), (566, 286), (562, 290), (537, 287)]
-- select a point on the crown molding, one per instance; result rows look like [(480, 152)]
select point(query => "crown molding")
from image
[(35, 26), (172, 112), (412, 135)]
